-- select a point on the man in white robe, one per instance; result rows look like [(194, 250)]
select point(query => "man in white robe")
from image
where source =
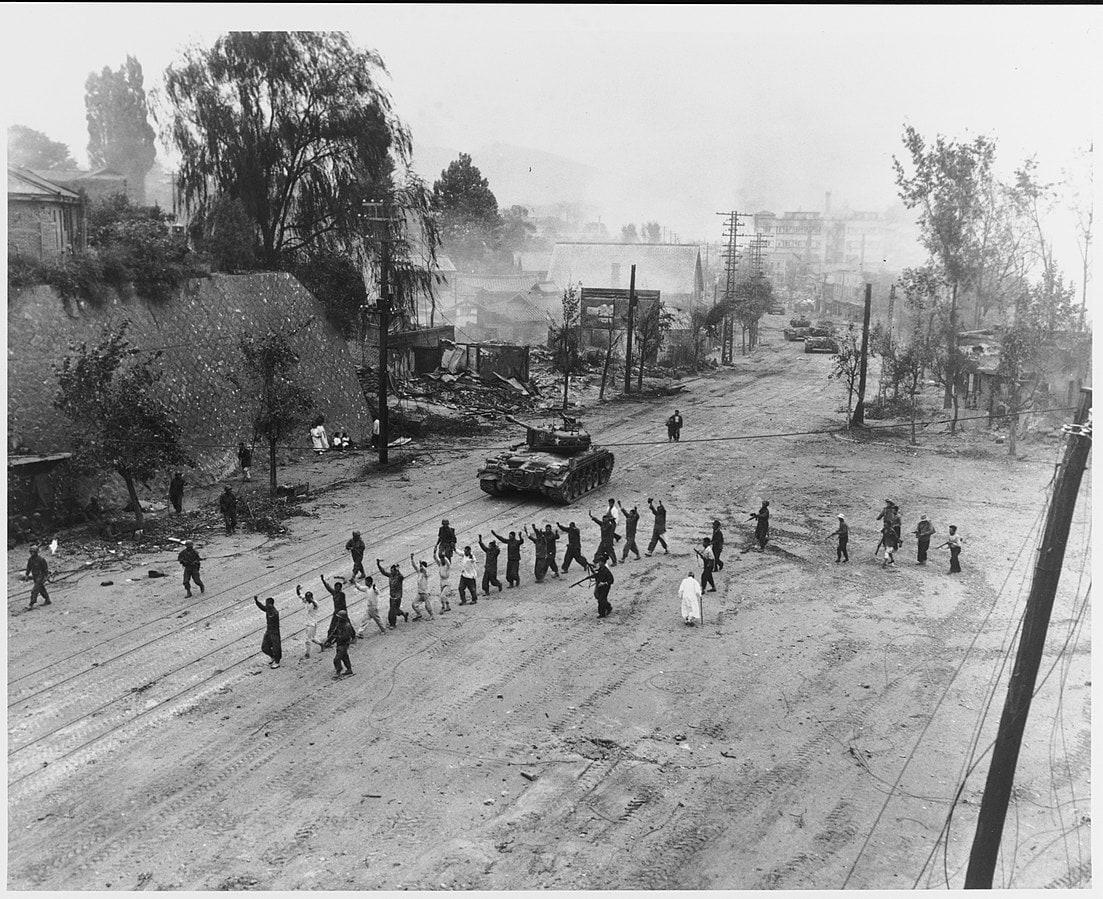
[(689, 592)]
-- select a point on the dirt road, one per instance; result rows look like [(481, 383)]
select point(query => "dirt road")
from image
[(812, 734)]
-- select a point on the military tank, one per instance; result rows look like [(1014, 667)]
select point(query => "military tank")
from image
[(558, 461)]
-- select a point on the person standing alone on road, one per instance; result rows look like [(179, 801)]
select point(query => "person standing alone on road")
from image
[(189, 558), (843, 533), (227, 505), (658, 528), (38, 571), (176, 492), (469, 572), (923, 533), (513, 545), (954, 541), (674, 426), (356, 548), (271, 645), (245, 459)]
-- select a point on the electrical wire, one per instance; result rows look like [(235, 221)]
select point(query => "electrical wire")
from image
[(765, 435), (922, 734)]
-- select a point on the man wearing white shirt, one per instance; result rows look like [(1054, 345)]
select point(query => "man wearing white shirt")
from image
[(469, 573)]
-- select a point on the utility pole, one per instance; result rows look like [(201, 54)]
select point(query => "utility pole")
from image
[(858, 418), (1020, 689), (628, 345), (381, 216), (757, 277), (730, 256)]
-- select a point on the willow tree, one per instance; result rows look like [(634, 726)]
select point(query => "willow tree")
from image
[(297, 128)]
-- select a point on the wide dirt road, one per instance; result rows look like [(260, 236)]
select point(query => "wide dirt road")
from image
[(812, 734)]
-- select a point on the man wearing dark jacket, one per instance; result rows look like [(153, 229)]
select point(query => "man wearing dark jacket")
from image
[(605, 548), (446, 540), (176, 492), (550, 537), (343, 635), (340, 604), (513, 545), (189, 558), (227, 505), (658, 528), (38, 571), (490, 566), (603, 580), (574, 547), (394, 579), (631, 521), (717, 545), (923, 533), (356, 548)]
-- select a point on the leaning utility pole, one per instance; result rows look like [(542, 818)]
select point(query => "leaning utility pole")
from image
[(1020, 690), (858, 418), (628, 345)]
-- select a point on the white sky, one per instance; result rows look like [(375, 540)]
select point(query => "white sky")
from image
[(683, 111)]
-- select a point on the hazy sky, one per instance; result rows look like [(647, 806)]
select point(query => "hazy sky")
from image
[(682, 111)]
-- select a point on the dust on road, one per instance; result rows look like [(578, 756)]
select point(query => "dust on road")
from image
[(812, 734)]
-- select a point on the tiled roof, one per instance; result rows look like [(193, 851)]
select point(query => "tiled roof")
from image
[(24, 182)]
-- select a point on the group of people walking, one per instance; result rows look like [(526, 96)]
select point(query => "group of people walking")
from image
[(341, 632), (891, 538)]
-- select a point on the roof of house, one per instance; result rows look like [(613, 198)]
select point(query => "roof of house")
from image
[(668, 268), (518, 305), (25, 184)]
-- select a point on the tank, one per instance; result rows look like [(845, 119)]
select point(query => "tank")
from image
[(557, 461)]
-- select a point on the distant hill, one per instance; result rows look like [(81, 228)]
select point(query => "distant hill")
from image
[(516, 174)]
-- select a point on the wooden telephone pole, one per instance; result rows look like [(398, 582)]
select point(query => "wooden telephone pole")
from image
[(383, 221), (628, 346), (1020, 690), (859, 416)]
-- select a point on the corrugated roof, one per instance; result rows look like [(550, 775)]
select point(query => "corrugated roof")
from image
[(668, 268), (24, 182)]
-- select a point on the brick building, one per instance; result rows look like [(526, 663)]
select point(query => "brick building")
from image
[(45, 219)]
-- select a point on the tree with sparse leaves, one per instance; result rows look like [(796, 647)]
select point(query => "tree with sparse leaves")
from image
[(34, 150), (629, 234), (564, 337), (119, 133), (847, 367), (948, 183), (109, 392), (281, 404), (652, 324)]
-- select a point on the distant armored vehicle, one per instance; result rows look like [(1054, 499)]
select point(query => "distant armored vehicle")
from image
[(813, 344), (558, 461)]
